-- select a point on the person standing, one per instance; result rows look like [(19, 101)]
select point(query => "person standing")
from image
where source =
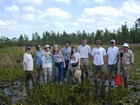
[(59, 64), (85, 52), (38, 61), (47, 64), (127, 60), (113, 57), (66, 54), (74, 64), (99, 58), (28, 64)]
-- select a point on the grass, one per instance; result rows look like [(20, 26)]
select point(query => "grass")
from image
[(11, 69)]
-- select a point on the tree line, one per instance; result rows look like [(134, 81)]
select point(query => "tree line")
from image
[(121, 35)]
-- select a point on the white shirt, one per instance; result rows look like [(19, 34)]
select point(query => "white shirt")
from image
[(98, 54), (112, 55), (75, 58), (29, 60), (47, 59), (84, 51)]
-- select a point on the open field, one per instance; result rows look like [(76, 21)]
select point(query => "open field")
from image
[(12, 78)]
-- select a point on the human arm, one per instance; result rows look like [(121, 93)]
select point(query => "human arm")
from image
[(63, 59)]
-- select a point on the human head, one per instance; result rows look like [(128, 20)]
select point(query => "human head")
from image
[(84, 42), (47, 47), (125, 46), (74, 49), (67, 43), (38, 47), (112, 42), (28, 48), (55, 48), (98, 43)]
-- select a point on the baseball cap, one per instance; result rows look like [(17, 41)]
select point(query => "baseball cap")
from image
[(28, 47), (112, 41)]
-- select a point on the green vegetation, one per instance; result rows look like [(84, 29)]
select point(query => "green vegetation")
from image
[(66, 94), (121, 35)]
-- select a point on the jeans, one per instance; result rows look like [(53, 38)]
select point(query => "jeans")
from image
[(66, 68), (59, 71)]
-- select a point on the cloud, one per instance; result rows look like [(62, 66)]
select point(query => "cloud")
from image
[(75, 24), (54, 14), (86, 20), (2, 23), (103, 11), (28, 17), (28, 8), (57, 24), (13, 8), (32, 2), (100, 1), (63, 1), (130, 7)]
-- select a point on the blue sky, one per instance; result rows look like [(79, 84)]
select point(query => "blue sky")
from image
[(29, 16)]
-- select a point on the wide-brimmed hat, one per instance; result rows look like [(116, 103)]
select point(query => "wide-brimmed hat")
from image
[(47, 46), (78, 73), (126, 45)]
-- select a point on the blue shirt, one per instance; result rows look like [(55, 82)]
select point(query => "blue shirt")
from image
[(39, 57), (66, 53)]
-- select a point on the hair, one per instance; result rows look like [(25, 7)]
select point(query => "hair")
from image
[(37, 46), (72, 51), (67, 42), (53, 51)]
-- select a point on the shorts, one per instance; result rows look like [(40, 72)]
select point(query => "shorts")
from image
[(96, 68), (47, 71), (112, 68)]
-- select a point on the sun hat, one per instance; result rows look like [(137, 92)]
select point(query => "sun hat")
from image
[(126, 45), (47, 46), (28, 47), (112, 41), (78, 73)]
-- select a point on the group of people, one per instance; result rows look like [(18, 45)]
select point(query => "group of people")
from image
[(77, 59)]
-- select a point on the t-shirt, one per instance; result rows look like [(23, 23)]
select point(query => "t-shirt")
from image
[(66, 53), (57, 57), (98, 54), (112, 55), (39, 57), (29, 60), (75, 58), (47, 59), (84, 51)]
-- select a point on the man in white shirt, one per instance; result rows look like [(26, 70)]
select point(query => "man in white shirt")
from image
[(85, 52), (99, 57), (113, 57)]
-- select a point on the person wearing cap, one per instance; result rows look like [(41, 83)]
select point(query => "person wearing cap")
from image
[(74, 65), (127, 60), (85, 53), (47, 64), (66, 54), (59, 64), (38, 61), (28, 64), (113, 57), (99, 58)]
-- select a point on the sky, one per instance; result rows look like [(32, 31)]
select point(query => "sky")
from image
[(28, 16)]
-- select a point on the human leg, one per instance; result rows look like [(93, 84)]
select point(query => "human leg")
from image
[(56, 68), (95, 71), (50, 73), (61, 71), (32, 76), (38, 69), (102, 70), (65, 69), (110, 72), (45, 74)]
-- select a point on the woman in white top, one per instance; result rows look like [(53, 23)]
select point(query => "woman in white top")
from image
[(28, 64), (74, 63), (47, 63)]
